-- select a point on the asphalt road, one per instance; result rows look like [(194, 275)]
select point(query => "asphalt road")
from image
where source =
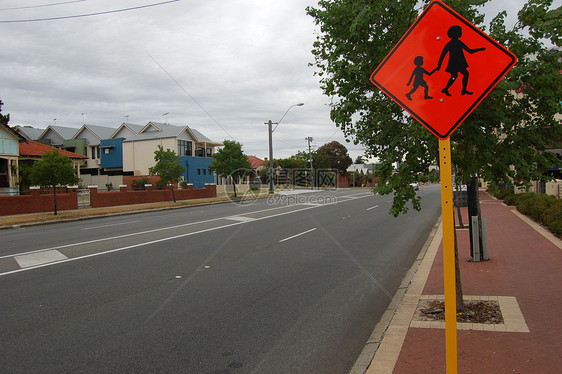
[(290, 285)]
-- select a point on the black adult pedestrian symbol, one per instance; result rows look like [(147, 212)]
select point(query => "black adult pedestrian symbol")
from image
[(457, 61)]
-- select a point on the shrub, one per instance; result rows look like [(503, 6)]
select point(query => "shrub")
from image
[(504, 192), (161, 184), (138, 184), (536, 205), (553, 218), (183, 184)]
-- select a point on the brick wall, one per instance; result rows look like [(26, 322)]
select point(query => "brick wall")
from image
[(37, 202), (150, 195)]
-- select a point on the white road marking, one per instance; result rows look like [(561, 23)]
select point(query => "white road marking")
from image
[(110, 225), (294, 236), (373, 207), (241, 218), (34, 259), (44, 263)]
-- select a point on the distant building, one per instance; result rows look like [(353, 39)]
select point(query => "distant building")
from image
[(195, 151)]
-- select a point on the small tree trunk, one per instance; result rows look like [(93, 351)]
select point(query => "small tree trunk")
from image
[(173, 193), (234, 184), (459, 204), (458, 284), (55, 198)]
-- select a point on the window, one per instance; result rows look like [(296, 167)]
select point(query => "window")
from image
[(204, 171), (185, 148), (209, 152), (93, 153), (107, 150), (198, 171), (200, 152)]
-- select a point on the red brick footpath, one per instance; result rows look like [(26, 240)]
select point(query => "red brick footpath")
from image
[(524, 273)]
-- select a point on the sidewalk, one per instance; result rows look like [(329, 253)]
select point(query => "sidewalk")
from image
[(524, 274)]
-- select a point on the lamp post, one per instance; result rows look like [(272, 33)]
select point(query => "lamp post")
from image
[(270, 130)]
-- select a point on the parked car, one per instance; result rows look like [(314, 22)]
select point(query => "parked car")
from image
[(416, 186)]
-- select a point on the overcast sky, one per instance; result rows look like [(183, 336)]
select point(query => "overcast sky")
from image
[(223, 67)]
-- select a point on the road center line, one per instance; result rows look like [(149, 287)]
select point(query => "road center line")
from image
[(110, 225), (294, 236)]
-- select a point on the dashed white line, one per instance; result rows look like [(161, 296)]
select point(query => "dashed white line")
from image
[(294, 236), (373, 207)]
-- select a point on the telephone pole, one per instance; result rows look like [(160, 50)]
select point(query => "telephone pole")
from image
[(309, 140)]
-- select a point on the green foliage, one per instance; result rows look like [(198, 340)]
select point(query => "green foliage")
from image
[(545, 209), (139, 184), (184, 185), (4, 118), (161, 184), (503, 131), (167, 166), (337, 155), (231, 161), (24, 176), (52, 170), (536, 205), (553, 219)]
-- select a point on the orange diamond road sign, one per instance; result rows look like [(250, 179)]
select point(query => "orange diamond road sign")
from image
[(442, 68)]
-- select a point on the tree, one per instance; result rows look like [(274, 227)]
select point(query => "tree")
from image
[(359, 160), (3, 118), (338, 156), (502, 141), (167, 167), (231, 161), (52, 170)]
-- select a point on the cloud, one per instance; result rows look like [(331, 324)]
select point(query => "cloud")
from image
[(233, 65)]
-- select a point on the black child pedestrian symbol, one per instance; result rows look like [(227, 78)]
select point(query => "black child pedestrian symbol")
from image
[(457, 61), (417, 76)]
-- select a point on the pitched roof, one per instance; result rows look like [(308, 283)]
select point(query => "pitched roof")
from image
[(101, 132), (36, 149), (30, 133), (131, 126), (160, 130), (255, 162), (12, 131), (64, 132)]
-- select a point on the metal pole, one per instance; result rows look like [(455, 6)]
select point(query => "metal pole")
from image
[(269, 123), (309, 139)]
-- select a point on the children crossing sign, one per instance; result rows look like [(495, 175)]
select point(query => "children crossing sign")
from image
[(439, 71), (442, 68)]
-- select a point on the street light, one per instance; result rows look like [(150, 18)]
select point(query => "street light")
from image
[(269, 123)]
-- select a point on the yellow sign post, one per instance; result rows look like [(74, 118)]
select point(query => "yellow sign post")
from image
[(440, 31), (448, 254)]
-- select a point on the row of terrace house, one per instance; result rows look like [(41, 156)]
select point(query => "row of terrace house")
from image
[(128, 150)]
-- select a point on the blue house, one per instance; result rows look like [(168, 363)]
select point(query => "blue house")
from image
[(195, 151)]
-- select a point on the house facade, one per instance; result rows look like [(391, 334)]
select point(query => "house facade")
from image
[(9, 152), (195, 151)]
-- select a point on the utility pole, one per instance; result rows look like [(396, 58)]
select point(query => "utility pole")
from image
[(309, 139), (269, 124)]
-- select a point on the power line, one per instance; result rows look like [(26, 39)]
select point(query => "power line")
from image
[(43, 6), (88, 14), (192, 98)]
